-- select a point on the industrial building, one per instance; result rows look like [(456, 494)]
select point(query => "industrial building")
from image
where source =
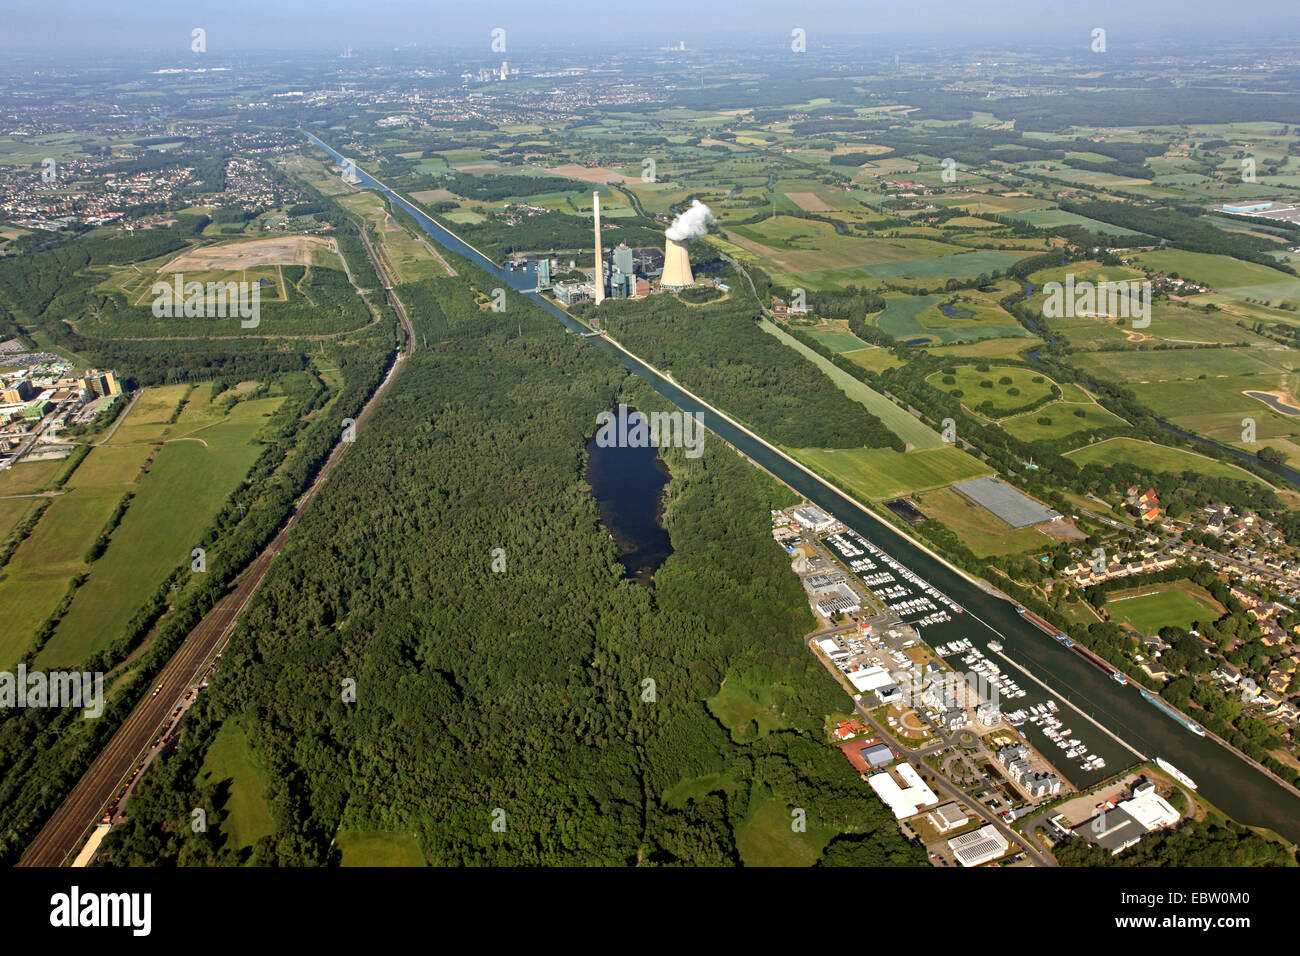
[(877, 756), (979, 846), (950, 816), (813, 518), (905, 801)]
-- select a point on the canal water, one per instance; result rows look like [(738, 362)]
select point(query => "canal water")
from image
[(1233, 785), (628, 485)]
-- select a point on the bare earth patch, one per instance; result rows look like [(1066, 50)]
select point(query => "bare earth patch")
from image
[(809, 202), (235, 256)]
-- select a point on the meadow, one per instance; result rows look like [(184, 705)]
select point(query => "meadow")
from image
[(871, 474), (1132, 454), (231, 764), (1004, 387)]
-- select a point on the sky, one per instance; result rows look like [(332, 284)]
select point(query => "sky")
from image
[(123, 26)]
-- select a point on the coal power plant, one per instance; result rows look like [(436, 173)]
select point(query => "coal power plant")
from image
[(631, 273)]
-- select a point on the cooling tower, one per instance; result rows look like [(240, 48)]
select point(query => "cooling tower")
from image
[(677, 266), (600, 259)]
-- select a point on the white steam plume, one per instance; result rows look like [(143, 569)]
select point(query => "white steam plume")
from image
[(692, 223)]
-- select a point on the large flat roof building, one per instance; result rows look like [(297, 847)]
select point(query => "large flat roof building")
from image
[(905, 801), (979, 846), (813, 518)]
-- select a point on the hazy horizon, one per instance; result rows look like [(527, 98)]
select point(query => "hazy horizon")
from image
[(155, 26)]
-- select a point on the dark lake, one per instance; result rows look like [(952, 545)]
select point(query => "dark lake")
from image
[(628, 485)]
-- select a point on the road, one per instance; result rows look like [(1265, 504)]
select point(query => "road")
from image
[(80, 810)]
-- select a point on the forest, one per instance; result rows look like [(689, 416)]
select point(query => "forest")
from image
[(517, 695)]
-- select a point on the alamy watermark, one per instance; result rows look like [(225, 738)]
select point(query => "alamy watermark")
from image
[(215, 300), (61, 689), (658, 429), (1129, 299)]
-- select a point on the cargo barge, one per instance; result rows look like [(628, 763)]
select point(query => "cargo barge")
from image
[(1170, 712)]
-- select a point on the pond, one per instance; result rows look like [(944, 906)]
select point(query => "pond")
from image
[(628, 485)]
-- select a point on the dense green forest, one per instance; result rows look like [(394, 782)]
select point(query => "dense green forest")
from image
[(521, 691)]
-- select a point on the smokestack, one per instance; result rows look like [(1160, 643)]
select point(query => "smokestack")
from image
[(677, 266), (600, 265)]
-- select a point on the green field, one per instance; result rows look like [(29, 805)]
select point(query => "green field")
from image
[(836, 340), (231, 764), (875, 473), (766, 839), (1145, 456), (1024, 387), (378, 848), (965, 265), (747, 712), (155, 536), (873, 359), (1065, 420), (1225, 274), (1149, 609), (905, 318)]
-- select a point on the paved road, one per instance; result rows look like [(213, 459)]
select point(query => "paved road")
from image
[(80, 810)]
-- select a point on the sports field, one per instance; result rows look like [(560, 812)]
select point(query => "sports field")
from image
[(1150, 608)]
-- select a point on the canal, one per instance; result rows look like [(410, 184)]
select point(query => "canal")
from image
[(1238, 788)]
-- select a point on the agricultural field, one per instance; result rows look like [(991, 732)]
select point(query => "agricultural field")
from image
[(871, 474), (175, 444), (1234, 277)]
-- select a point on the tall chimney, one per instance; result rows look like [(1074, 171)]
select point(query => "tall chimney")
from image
[(600, 264)]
